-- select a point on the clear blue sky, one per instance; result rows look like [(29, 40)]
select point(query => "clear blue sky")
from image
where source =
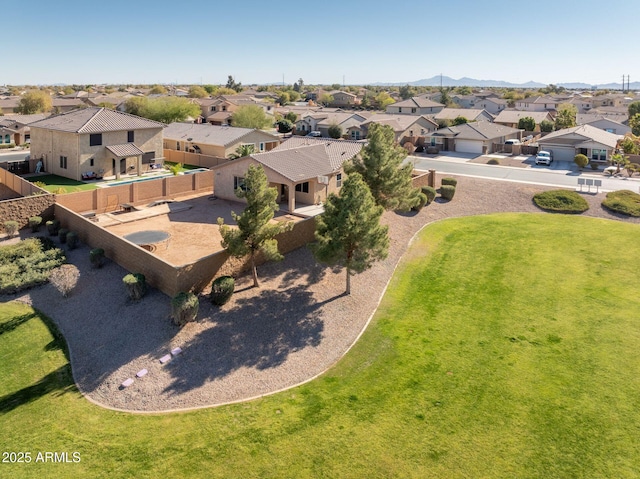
[(139, 41)]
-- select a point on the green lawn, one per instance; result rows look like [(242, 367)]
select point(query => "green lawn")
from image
[(55, 183), (507, 346)]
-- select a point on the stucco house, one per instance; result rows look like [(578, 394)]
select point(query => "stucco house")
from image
[(417, 105), (99, 140), (219, 110), (304, 170), (343, 99), (17, 127), (477, 137), (491, 104), (213, 140), (512, 118), (598, 145), (412, 128)]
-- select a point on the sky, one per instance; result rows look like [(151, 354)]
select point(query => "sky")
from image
[(354, 42)]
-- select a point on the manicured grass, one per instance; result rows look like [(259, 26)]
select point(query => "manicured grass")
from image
[(183, 167), (624, 201), (55, 184), (506, 346), (561, 201)]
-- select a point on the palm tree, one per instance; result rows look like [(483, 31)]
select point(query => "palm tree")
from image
[(242, 151)]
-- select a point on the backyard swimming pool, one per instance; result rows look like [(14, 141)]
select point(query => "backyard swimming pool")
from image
[(149, 178)]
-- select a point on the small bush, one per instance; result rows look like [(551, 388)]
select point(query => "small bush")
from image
[(493, 161), (60, 191), (561, 201), (594, 165), (96, 256), (581, 160), (11, 228), (52, 227), (222, 289), (447, 192), (34, 223), (430, 192), (62, 235), (136, 284), (184, 308), (449, 181), (623, 201), (422, 200), (72, 240), (27, 264), (65, 278)]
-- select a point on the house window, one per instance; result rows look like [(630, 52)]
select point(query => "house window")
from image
[(63, 162), (178, 145), (339, 180), (303, 187), (213, 108), (413, 110), (7, 139), (410, 132), (95, 139), (433, 141), (399, 109), (130, 136), (598, 155), (224, 107), (239, 182), (261, 146), (422, 131), (90, 161)]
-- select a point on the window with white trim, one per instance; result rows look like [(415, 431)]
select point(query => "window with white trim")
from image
[(339, 180)]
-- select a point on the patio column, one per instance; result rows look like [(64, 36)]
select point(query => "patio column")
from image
[(139, 164), (116, 167), (292, 198)]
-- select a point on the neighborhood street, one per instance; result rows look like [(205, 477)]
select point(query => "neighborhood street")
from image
[(562, 174)]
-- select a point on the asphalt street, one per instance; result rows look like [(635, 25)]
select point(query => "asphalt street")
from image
[(561, 174)]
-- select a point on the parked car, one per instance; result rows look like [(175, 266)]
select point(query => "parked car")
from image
[(512, 141), (544, 158), (314, 133)]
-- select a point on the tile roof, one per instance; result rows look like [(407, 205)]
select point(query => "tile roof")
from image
[(338, 151), (95, 120), (397, 122), (584, 118), (208, 134), (453, 113), (418, 102), (588, 132), (481, 130), (513, 116), (298, 164), (22, 119), (125, 150)]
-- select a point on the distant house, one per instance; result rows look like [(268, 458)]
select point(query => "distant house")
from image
[(477, 137), (491, 104), (213, 140), (17, 127), (598, 145), (512, 118), (98, 140), (412, 128), (471, 114), (417, 105), (304, 170), (343, 99), (611, 125), (219, 110), (321, 120)]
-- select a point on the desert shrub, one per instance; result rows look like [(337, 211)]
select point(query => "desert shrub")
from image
[(493, 161), (62, 235), (581, 160), (623, 201), (46, 243), (594, 165), (430, 192), (447, 192), (422, 200), (52, 227), (449, 181), (136, 285), (184, 308), (561, 201), (72, 240), (34, 223), (27, 264), (64, 278), (60, 191), (11, 228), (40, 184), (96, 256), (222, 289)]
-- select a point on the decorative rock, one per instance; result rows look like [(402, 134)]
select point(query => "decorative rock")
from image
[(165, 358), (176, 351), (141, 373), (127, 383)]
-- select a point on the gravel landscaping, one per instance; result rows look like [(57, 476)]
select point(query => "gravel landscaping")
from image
[(291, 329)]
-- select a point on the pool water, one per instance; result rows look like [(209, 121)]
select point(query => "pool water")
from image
[(149, 178)]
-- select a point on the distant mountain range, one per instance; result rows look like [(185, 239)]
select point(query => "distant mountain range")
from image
[(451, 82)]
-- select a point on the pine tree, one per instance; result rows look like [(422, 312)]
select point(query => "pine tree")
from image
[(380, 165), (349, 231), (254, 233)]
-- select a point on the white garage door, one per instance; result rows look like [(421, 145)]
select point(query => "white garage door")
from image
[(469, 146), (561, 153)]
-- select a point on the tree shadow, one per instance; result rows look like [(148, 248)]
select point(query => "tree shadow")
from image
[(14, 323), (306, 270), (258, 333), (59, 380)]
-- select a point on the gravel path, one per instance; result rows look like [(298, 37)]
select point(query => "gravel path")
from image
[(293, 328)]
